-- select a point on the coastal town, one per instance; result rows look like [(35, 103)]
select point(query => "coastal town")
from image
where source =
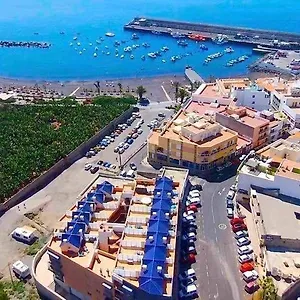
[(176, 185)]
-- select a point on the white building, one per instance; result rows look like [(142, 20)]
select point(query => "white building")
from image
[(251, 96)]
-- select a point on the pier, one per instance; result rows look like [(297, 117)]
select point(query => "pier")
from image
[(248, 36)]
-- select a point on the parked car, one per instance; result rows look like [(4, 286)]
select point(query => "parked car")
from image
[(186, 274), (100, 162), (189, 236), (162, 115), (243, 241), (130, 174), (192, 207), (189, 218), (135, 135), (240, 234), (188, 259), (116, 150), (245, 258), (245, 250), (251, 287), (113, 166), (140, 131), (187, 282), (189, 226), (20, 269), (133, 166), (236, 221), (123, 173), (197, 187), (88, 154), (87, 166), (250, 275), (189, 292), (229, 204), (130, 141), (126, 146), (230, 195), (230, 213), (233, 188), (246, 267), (238, 227), (94, 169), (194, 193), (121, 150)]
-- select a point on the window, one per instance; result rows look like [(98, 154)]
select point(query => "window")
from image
[(253, 102), (253, 96)]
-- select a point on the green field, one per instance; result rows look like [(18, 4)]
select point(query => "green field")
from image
[(34, 137)]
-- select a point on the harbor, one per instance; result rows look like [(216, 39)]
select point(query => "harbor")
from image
[(249, 36)]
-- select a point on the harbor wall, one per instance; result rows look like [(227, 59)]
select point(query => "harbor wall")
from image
[(217, 29), (62, 164)]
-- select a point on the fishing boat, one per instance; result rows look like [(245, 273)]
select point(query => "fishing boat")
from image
[(177, 35), (196, 37), (80, 52), (156, 32), (229, 64), (71, 44), (146, 45), (220, 39), (152, 55), (117, 43), (173, 58), (182, 43), (134, 46), (143, 57), (95, 54), (117, 54), (132, 56), (228, 50), (75, 38), (127, 49), (110, 34), (61, 32), (122, 56), (107, 53), (163, 61), (78, 44), (134, 36), (158, 53), (165, 49), (98, 42)]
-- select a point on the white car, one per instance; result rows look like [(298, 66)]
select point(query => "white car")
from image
[(230, 213), (87, 166), (240, 234), (194, 201), (189, 292), (187, 274), (245, 258), (194, 196), (243, 241), (188, 213), (250, 275), (189, 218), (126, 146), (233, 188), (245, 250), (230, 195), (140, 131), (194, 193)]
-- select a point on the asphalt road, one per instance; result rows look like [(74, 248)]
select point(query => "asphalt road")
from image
[(217, 264)]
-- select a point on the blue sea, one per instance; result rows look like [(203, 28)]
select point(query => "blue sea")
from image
[(89, 20)]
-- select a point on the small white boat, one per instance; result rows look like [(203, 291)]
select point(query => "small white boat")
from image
[(152, 55), (109, 34), (122, 56), (80, 52), (75, 38), (117, 55), (83, 49), (132, 56), (95, 54), (106, 47), (107, 53), (71, 44), (96, 49), (90, 44), (78, 44), (163, 61)]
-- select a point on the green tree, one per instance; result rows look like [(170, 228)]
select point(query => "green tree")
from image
[(140, 90), (182, 94), (120, 87), (97, 85), (268, 289), (3, 294)]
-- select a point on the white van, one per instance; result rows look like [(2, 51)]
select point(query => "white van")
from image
[(229, 212), (20, 269), (24, 234), (230, 195)]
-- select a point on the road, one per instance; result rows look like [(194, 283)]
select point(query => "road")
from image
[(217, 264)]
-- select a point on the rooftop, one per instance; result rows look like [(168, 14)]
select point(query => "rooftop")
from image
[(204, 108), (272, 209), (129, 228)]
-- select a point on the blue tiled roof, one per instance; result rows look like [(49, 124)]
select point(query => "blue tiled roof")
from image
[(105, 187), (150, 280), (85, 206), (82, 216), (73, 239), (155, 252)]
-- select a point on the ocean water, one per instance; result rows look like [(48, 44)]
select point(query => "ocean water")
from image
[(91, 19)]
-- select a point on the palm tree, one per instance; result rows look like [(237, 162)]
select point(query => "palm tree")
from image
[(140, 90), (176, 85), (269, 291), (182, 93), (97, 85), (120, 87)]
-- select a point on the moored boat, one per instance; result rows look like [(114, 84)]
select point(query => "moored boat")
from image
[(110, 34)]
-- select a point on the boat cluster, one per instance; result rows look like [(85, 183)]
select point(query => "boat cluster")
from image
[(236, 61), (218, 54), (8, 44)]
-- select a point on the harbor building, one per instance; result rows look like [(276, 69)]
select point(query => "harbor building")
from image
[(119, 241), (285, 97), (192, 141)]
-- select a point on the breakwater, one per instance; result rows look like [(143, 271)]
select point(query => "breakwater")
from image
[(30, 44), (249, 36)]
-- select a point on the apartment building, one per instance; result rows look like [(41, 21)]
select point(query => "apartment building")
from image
[(246, 123), (275, 167), (193, 141), (117, 242), (285, 97)]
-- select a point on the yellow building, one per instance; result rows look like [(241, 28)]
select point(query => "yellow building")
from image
[(192, 141)]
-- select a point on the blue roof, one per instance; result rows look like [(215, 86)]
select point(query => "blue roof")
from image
[(73, 239), (164, 183), (105, 187), (85, 206), (158, 226), (73, 227), (163, 204), (150, 280), (82, 216)]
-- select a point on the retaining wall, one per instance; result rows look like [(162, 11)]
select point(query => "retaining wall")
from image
[(63, 164)]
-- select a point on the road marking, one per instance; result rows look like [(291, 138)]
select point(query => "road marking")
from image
[(216, 239), (207, 274), (167, 95), (223, 190), (222, 226)]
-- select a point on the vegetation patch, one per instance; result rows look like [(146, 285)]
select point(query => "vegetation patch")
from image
[(35, 137), (296, 170), (35, 247), (17, 290)]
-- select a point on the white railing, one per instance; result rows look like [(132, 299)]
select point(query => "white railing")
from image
[(135, 232), (125, 273)]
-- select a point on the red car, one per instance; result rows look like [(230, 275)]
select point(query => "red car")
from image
[(246, 267), (236, 221), (190, 259), (238, 227), (192, 207)]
